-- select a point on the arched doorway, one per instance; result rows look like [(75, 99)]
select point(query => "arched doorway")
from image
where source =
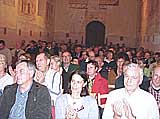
[(95, 34)]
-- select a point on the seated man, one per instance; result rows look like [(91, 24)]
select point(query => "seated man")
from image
[(97, 84), (131, 102), (153, 85), (26, 99)]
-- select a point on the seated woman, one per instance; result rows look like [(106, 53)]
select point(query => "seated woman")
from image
[(5, 78), (76, 104)]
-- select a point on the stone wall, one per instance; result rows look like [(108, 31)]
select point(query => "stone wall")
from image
[(133, 22), (118, 16), (150, 24), (26, 20)]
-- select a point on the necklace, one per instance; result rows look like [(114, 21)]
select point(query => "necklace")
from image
[(76, 100)]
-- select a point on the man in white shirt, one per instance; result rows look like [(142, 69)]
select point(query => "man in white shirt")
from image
[(42, 65), (131, 102)]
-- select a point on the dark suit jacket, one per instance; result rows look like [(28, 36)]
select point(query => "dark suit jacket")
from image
[(66, 75), (38, 104)]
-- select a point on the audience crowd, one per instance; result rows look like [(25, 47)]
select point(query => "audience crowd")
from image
[(49, 80)]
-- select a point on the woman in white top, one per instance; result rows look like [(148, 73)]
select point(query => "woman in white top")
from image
[(53, 78), (76, 104), (5, 78)]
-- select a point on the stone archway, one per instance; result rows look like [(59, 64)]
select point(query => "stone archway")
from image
[(95, 34)]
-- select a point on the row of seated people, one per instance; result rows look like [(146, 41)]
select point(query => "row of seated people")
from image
[(94, 85), (55, 75), (80, 54)]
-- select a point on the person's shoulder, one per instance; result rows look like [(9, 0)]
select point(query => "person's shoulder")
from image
[(39, 86), (7, 49), (10, 87), (89, 99), (62, 97), (100, 78), (146, 94), (117, 91), (74, 65)]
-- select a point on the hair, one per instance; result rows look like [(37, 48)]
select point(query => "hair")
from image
[(2, 42), (122, 55), (57, 59), (46, 55), (66, 52), (30, 65), (26, 55), (110, 51), (157, 53), (95, 63), (133, 66), (83, 74)]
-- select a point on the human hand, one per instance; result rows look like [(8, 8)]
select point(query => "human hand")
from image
[(12, 72), (70, 113), (39, 76), (117, 109), (128, 110)]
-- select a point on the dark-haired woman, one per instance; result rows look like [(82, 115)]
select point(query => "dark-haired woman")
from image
[(77, 104)]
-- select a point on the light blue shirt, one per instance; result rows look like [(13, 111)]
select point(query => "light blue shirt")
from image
[(88, 108), (18, 109)]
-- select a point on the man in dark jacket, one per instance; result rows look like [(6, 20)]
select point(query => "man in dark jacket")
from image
[(26, 99), (68, 68)]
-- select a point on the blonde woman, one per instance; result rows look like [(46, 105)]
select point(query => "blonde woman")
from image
[(5, 78), (53, 78)]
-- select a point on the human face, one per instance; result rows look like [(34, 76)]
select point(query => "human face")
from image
[(75, 61), (1, 46), (77, 84), (91, 55), (120, 62), (84, 55), (41, 62), (2, 66), (100, 62), (129, 55), (132, 80), (23, 74), (109, 55), (91, 70), (147, 55), (54, 65), (66, 58), (156, 77)]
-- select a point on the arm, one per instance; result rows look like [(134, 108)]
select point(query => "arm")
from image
[(154, 111), (55, 89), (128, 110), (56, 84), (93, 112), (108, 112), (7, 101), (60, 108), (43, 104)]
